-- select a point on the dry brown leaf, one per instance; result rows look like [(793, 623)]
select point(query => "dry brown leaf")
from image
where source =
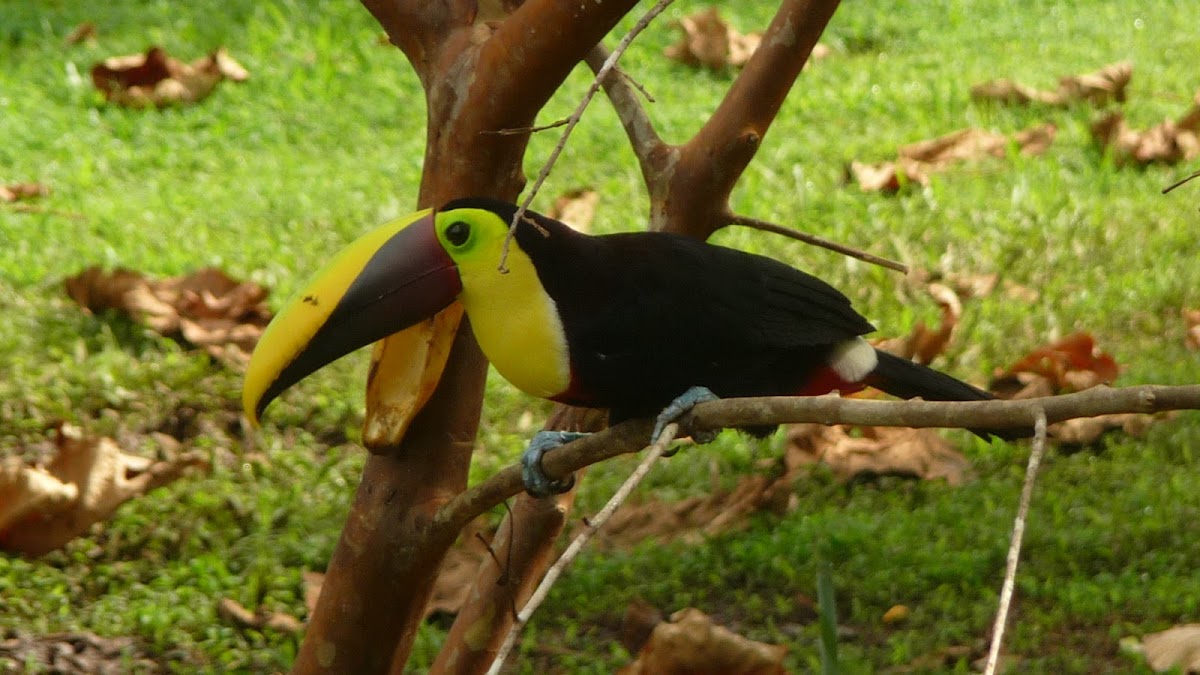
[(208, 308), (638, 624), (156, 79), (1098, 88), (1071, 364), (22, 652), (973, 285), (577, 208), (711, 42), (1084, 431), (1170, 142), (917, 453), (696, 517), (88, 479), (924, 344), (234, 612), (691, 643), (1177, 647), (915, 163), (1191, 319), (15, 192), (896, 614), (84, 32)]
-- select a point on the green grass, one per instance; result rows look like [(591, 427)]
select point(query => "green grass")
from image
[(267, 178)]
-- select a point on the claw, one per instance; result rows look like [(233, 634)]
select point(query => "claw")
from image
[(537, 483), (681, 405)]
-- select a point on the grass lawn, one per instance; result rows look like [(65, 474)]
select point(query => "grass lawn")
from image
[(267, 178)]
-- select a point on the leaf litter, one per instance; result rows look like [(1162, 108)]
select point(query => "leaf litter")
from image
[(44, 507), (1169, 142), (208, 308), (918, 162), (711, 42), (1071, 364), (156, 79), (1099, 88), (691, 642)]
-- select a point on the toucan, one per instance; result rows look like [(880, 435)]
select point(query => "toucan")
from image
[(638, 323)]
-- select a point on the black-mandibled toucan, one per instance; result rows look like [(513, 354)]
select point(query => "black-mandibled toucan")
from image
[(628, 321)]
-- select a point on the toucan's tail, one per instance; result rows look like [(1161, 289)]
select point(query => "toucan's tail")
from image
[(907, 379)]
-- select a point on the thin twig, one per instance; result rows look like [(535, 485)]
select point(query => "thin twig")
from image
[(1181, 182), (592, 526), (814, 240), (1014, 546), (577, 115), (527, 130)]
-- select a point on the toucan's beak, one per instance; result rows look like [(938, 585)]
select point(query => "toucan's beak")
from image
[(381, 284)]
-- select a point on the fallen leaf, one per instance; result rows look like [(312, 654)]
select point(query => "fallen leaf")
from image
[(234, 612), (638, 624), (1098, 88), (1170, 142), (973, 285), (1191, 319), (576, 208), (915, 163), (1177, 647), (86, 481), (84, 32), (22, 652), (896, 614), (691, 643), (924, 344), (917, 453), (208, 308), (697, 517), (711, 42), (1071, 364), (156, 79), (15, 192)]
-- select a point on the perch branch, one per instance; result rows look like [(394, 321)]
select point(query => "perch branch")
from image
[(573, 550), (630, 436), (1170, 187), (1014, 546), (814, 240)]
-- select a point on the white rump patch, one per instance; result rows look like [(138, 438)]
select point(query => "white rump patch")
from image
[(853, 360)]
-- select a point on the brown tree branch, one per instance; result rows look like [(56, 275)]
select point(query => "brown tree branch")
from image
[(525, 540), (651, 152), (692, 196), (746, 412), (590, 529), (814, 240)]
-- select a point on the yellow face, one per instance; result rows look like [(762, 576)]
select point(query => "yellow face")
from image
[(515, 321)]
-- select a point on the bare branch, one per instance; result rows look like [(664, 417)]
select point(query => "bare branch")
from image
[(747, 412), (573, 120), (648, 147), (693, 196), (1014, 546), (1183, 180), (814, 240), (593, 526)]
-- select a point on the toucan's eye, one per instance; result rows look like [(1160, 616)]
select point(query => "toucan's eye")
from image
[(458, 232)]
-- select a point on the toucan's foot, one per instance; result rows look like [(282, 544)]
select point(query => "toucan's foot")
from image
[(537, 483), (681, 405)]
